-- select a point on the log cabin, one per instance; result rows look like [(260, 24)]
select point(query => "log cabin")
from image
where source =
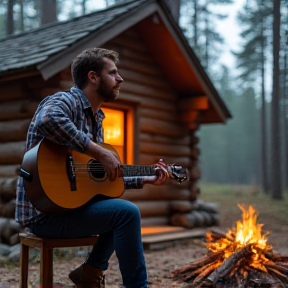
[(165, 98)]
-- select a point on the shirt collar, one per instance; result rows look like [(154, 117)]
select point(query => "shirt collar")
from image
[(85, 102)]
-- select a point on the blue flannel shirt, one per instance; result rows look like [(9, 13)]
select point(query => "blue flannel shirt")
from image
[(65, 118)]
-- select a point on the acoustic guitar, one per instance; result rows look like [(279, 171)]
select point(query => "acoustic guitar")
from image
[(57, 178)]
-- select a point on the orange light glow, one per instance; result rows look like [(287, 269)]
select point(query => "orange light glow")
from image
[(246, 232), (113, 126)]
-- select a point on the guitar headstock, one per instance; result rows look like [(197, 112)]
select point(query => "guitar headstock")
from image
[(178, 173)]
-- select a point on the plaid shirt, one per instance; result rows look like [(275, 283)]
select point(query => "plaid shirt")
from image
[(65, 118)]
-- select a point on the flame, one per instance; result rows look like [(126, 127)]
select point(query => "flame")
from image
[(246, 232)]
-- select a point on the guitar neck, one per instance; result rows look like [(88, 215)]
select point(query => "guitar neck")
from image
[(137, 170)]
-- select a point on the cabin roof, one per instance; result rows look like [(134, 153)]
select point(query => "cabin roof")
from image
[(51, 48)]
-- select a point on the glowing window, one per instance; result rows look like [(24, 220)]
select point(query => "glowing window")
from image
[(114, 128)]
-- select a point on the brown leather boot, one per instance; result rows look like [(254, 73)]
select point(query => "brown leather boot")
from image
[(86, 276)]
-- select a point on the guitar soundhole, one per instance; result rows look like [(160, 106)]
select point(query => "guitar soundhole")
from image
[(96, 170)]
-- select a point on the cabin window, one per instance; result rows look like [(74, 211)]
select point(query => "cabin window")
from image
[(118, 132)]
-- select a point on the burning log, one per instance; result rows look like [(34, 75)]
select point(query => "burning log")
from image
[(240, 258), (230, 263)]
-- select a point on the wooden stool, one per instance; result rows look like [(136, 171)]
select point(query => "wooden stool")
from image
[(46, 246)]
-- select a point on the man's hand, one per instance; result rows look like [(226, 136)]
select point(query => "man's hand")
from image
[(161, 174), (108, 159)]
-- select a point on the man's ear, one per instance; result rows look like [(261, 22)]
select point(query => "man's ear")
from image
[(92, 76)]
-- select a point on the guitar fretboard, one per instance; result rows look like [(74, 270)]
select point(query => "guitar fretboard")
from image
[(137, 170)]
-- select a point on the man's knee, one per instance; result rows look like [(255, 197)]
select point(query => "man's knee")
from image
[(131, 210)]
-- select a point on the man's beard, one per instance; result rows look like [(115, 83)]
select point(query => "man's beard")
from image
[(108, 94)]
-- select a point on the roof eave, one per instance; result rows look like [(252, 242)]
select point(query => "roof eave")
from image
[(193, 61), (19, 73)]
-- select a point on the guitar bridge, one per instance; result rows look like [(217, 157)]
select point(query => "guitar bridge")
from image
[(71, 173)]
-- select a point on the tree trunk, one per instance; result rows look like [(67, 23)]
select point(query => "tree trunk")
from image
[(9, 19), (195, 24), (285, 92), (264, 166), (48, 11), (276, 143), (21, 24)]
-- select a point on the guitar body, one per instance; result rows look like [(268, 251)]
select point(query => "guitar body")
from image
[(56, 184)]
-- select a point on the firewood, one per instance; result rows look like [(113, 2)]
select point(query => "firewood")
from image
[(282, 259), (198, 263), (181, 206), (238, 278), (213, 236), (205, 206), (274, 256), (200, 273), (229, 263), (208, 269), (278, 274), (277, 267), (240, 263)]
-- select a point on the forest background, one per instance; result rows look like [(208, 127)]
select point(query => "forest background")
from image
[(251, 148)]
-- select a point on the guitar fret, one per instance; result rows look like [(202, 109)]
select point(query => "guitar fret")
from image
[(137, 170)]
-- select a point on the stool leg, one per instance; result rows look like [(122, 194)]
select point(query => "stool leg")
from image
[(46, 267), (24, 262)]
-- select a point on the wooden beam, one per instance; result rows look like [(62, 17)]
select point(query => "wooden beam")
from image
[(194, 103), (188, 116)]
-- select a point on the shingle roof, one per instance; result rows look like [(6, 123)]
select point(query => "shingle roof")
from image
[(35, 46)]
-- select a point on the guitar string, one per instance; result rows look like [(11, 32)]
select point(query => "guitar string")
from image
[(127, 167), (97, 167)]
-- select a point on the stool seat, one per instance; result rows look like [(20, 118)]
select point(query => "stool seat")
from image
[(46, 246)]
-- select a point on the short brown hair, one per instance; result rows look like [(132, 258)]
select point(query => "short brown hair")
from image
[(90, 60)]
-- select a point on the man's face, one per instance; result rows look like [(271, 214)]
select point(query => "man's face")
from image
[(110, 81)]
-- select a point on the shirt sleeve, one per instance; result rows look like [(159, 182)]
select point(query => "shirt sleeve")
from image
[(133, 182), (55, 121)]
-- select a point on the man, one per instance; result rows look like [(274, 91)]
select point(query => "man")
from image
[(74, 119)]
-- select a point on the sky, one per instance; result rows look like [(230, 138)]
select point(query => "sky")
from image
[(229, 29)]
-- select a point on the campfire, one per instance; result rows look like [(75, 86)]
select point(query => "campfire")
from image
[(239, 258)]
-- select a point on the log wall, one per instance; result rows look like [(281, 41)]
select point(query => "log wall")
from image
[(160, 135)]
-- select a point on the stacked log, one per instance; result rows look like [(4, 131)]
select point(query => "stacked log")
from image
[(12, 147), (202, 214)]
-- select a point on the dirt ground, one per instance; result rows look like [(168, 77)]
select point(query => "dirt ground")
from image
[(272, 213)]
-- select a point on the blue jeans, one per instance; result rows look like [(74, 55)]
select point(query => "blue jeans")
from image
[(118, 224)]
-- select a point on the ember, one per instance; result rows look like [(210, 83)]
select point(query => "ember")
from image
[(239, 258)]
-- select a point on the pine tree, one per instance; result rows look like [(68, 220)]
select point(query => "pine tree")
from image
[(251, 61), (200, 31), (234, 156), (276, 162)]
